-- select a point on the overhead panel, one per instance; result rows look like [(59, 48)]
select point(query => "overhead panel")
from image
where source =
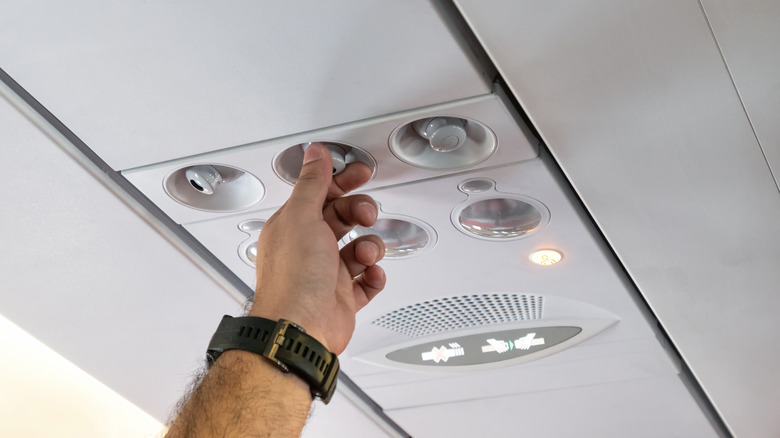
[(144, 82), (261, 175), (747, 33), (469, 316), (635, 102), (207, 112)]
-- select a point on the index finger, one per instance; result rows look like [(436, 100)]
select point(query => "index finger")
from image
[(355, 175)]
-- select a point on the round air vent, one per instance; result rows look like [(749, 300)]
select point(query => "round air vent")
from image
[(214, 187), (443, 143), (287, 163)]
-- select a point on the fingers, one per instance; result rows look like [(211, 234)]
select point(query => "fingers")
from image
[(361, 253), (342, 214), (368, 285), (317, 185), (311, 188), (355, 175), (360, 257)]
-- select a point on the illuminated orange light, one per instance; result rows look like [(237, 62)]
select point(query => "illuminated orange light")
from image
[(546, 257)]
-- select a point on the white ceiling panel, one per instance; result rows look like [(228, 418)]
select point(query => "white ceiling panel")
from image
[(632, 98), (463, 265), (340, 419), (85, 275), (748, 32), (144, 82), (635, 102), (648, 408)]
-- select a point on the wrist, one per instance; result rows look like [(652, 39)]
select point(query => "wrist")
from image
[(282, 343), (295, 316)]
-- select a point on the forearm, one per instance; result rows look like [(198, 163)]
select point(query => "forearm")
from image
[(305, 278), (244, 394)]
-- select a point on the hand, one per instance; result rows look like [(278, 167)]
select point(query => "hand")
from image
[(301, 274)]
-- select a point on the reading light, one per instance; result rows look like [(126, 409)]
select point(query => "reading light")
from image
[(492, 215), (546, 257), (402, 237), (500, 218)]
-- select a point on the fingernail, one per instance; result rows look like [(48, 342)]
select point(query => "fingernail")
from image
[(372, 248), (311, 153), (369, 209)]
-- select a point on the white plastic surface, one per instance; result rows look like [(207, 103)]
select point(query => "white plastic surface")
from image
[(145, 82), (636, 103), (514, 144), (647, 408), (747, 32), (86, 276), (460, 265), (340, 419)]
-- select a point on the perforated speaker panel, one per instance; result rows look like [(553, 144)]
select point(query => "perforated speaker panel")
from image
[(452, 313)]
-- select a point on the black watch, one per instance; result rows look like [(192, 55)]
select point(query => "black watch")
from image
[(283, 342)]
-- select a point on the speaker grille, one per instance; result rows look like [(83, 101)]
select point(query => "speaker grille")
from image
[(444, 314)]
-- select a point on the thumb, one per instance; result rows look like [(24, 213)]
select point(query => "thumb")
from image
[(311, 188)]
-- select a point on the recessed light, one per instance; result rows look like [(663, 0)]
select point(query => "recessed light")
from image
[(500, 218), (402, 237), (492, 215), (546, 257)]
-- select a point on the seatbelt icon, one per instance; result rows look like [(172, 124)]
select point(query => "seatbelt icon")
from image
[(524, 343)]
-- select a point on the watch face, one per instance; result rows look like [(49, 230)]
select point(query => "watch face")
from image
[(483, 348)]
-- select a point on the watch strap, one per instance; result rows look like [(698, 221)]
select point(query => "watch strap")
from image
[(283, 342)]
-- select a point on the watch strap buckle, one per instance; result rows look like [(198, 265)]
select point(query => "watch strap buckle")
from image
[(276, 341)]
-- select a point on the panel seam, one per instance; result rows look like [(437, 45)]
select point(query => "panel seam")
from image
[(739, 95)]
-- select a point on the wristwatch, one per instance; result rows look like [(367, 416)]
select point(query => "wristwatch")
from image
[(284, 343)]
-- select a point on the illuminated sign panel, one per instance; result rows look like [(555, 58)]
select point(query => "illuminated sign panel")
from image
[(483, 348)]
